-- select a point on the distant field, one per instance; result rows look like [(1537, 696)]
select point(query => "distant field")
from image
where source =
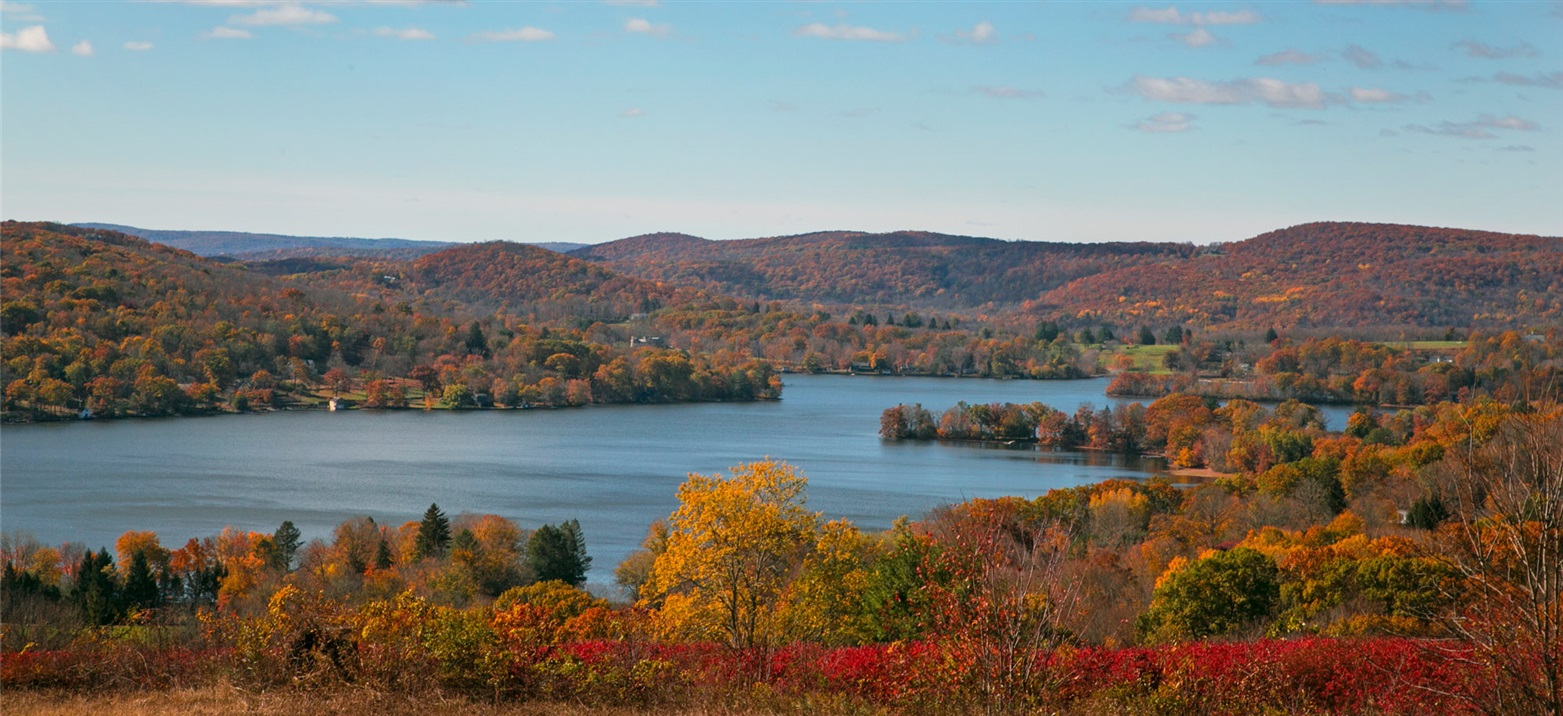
[(1146, 359), (1425, 345)]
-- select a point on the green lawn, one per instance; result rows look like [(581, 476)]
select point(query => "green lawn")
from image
[(1147, 359), (1425, 345)]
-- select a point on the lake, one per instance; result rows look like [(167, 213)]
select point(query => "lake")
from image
[(614, 468)]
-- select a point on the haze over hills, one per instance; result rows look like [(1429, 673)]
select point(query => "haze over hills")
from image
[(244, 245)]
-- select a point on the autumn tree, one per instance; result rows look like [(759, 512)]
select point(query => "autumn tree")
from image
[(732, 546), (1506, 541), (1217, 594)]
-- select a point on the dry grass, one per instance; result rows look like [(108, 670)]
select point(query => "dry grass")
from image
[(226, 700)]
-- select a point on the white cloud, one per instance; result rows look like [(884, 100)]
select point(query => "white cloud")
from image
[(1007, 92), (983, 33), (642, 26), (138, 46), (524, 34), (283, 15), (1479, 128), (228, 33), (82, 49), (1270, 91), (1288, 57), (632, 113), (633, 3), (1484, 51), (1166, 122), (31, 39), (1361, 57), (409, 33), (1172, 16), (847, 32), (1198, 37)]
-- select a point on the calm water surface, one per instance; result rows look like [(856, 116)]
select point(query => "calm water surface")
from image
[(614, 468)]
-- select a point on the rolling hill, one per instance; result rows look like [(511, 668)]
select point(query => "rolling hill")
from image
[(1340, 275), (904, 268)]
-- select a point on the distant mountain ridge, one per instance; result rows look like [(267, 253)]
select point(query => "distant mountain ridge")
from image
[(1334, 274), (244, 245), (918, 268), (1325, 274)]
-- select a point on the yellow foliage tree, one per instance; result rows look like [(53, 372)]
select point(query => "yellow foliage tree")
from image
[(733, 545)]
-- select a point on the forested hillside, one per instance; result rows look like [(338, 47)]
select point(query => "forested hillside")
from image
[(1341, 275), (904, 268), (98, 320)]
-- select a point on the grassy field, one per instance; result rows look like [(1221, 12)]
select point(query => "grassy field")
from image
[(1146, 359), (1425, 345)]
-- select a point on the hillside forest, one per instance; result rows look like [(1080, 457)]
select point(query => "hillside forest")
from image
[(1409, 563)]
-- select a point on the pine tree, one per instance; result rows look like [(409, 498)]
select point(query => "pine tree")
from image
[(433, 533), (382, 556), (140, 586), (286, 541), (559, 553)]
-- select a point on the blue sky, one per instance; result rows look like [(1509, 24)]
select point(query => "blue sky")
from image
[(592, 121)]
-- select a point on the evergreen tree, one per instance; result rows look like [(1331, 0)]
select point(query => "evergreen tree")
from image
[(1146, 337), (559, 553), (1271, 335), (96, 588), (382, 556), (433, 533), (286, 541), (140, 586), (476, 342)]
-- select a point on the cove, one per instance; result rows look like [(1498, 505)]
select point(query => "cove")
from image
[(614, 468)]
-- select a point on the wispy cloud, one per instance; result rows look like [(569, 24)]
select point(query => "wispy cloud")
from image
[(1007, 92), (1551, 80), (1288, 57), (1266, 90), (1166, 123), (847, 32), (20, 12), (641, 26), (283, 15), (406, 33), (1362, 57), (1480, 128), (82, 49), (1374, 95), (31, 39), (138, 46), (1172, 16), (522, 34), (1198, 37), (1484, 51), (223, 32), (633, 3), (633, 113), (983, 33), (1415, 4)]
